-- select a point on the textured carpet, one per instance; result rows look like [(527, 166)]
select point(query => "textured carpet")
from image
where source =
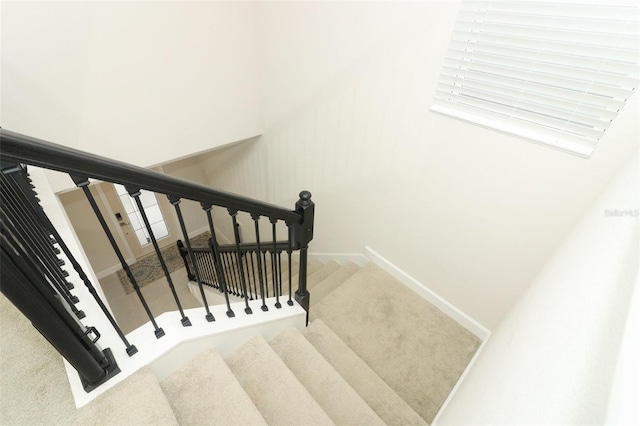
[(340, 401), (273, 388), (414, 347), (371, 388), (147, 269), (34, 389), (137, 400), (205, 390)]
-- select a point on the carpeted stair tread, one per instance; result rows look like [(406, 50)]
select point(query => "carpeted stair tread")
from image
[(339, 400), (332, 282), (273, 388), (205, 391), (415, 348), (322, 273), (312, 267), (137, 400), (372, 389)]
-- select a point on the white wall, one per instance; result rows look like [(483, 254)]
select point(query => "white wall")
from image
[(144, 82), (471, 213), (89, 232), (345, 90), (552, 359)]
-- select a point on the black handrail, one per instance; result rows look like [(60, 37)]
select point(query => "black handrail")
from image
[(244, 247), (26, 149)]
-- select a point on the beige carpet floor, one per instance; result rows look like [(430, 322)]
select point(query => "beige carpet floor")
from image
[(337, 398), (34, 389), (206, 389), (414, 347)]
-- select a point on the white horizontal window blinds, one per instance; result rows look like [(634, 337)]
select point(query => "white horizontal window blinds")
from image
[(557, 73)]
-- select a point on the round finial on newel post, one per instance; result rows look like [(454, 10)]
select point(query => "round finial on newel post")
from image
[(305, 198)]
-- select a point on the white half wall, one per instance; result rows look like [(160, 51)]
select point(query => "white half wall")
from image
[(142, 82), (552, 359)]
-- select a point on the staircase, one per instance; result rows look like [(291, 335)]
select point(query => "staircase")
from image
[(372, 354)]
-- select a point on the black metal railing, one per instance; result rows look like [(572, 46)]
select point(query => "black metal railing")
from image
[(237, 270), (261, 268), (34, 281)]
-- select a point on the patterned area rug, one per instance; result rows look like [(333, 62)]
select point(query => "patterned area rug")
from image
[(148, 269)]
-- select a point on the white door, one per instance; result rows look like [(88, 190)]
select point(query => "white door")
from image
[(127, 215)]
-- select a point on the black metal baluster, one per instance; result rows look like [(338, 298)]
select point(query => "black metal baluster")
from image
[(203, 267), (215, 251), (223, 273), (211, 270), (233, 270), (40, 263), (243, 284), (252, 295), (83, 182), (215, 275), (245, 272), (280, 272), (274, 266), (26, 219), (266, 274), (262, 278), (135, 194), (253, 273), (185, 258), (31, 294), (37, 238), (228, 271), (272, 276), (175, 201), (289, 251), (44, 219)]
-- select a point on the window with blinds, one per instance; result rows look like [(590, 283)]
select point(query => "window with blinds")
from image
[(553, 72)]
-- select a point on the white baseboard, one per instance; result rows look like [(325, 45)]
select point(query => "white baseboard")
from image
[(427, 294), (340, 258), (434, 422)]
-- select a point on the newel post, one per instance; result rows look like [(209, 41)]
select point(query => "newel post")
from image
[(302, 235)]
